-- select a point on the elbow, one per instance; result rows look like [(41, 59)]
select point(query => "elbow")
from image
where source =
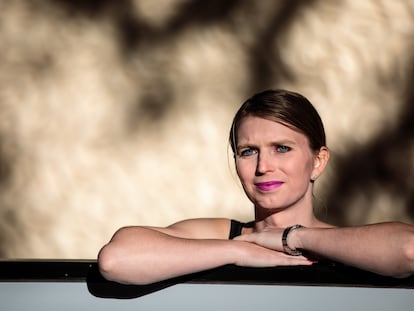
[(114, 269), (107, 263), (109, 260), (405, 268), (118, 263), (408, 251)]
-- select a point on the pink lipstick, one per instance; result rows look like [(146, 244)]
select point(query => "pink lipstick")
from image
[(268, 185)]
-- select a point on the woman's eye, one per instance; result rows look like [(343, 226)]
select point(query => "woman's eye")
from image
[(282, 149), (247, 152)]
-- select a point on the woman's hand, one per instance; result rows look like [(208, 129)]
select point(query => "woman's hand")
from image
[(250, 254), (270, 238)]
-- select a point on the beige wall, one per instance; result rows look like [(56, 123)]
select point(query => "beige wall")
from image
[(117, 113)]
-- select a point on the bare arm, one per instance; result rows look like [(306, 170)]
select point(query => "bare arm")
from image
[(385, 248), (142, 255)]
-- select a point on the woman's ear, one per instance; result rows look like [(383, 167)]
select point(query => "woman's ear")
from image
[(319, 163)]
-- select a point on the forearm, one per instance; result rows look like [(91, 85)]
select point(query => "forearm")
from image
[(138, 255), (386, 248)]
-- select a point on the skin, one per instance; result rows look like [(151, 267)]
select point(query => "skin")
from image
[(267, 151)]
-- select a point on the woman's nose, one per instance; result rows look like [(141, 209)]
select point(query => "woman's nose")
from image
[(264, 163)]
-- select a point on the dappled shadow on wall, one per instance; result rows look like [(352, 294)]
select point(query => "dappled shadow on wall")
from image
[(374, 181)]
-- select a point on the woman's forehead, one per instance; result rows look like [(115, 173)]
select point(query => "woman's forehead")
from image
[(254, 123), (257, 128)]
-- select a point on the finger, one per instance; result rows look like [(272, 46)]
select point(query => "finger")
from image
[(294, 261), (282, 261)]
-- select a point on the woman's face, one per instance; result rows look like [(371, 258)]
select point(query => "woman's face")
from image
[(274, 163)]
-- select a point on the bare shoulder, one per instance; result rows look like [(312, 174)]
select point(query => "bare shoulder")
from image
[(200, 228)]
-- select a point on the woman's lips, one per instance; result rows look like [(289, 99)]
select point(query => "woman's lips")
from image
[(268, 185)]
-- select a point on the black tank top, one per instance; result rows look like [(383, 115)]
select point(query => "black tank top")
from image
[(236, 227)]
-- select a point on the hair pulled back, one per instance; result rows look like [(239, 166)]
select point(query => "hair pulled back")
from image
[(286, 107)]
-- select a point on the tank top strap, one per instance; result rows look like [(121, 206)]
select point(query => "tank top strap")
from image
[(236, 227)]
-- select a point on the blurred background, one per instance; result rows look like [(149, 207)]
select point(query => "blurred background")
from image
[(116, 113)]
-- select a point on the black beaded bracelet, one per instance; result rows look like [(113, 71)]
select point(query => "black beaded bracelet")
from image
[(286, 248)]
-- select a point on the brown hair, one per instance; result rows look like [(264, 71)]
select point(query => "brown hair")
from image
[(289, 108)]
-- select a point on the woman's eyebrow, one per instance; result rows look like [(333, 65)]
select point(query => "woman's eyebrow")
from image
[(283, 142), (245, 145)]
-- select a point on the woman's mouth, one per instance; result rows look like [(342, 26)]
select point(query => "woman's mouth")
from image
[(268, 185)]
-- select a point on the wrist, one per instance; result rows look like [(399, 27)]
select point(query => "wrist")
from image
[(236, 252), (295, 238), (290, 240)]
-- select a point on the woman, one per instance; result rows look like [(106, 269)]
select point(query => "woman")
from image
[(279, 147)]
